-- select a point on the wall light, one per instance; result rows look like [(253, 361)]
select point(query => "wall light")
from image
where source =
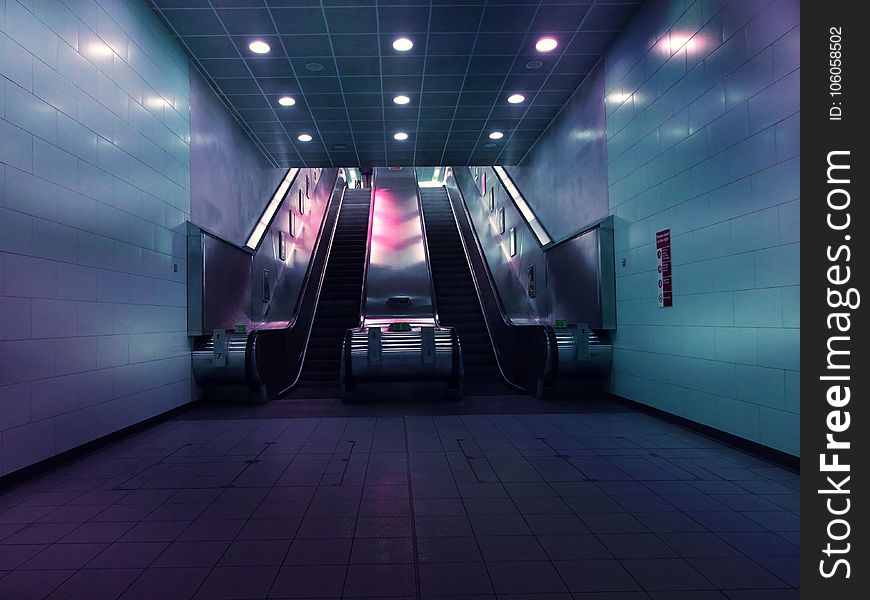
[(546, 44), (400, 135), (266, 218), (516, 98), (521, 204), (403, 45), (259, 47), (286, 101), (304, 138), (401, 99)]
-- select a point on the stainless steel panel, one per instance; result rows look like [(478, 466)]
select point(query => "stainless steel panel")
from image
[(564, 176), (508, 272), (575, 280), (226, 289), (231, 180), (287, 275), (397, 266)]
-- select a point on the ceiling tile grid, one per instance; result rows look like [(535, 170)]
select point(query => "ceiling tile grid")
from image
[(335, 59)]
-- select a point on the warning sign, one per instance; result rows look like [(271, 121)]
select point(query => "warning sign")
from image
[(663, 254)]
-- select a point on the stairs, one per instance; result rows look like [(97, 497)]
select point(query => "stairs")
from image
[(456, 295), (339, 305)]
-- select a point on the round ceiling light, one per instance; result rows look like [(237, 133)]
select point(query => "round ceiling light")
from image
[(403, 45), (286, 101), (496, 135), (340, 147), (546, 44), (304, 138), (516, 98), (259, 47), (534, 64), (314, 67), (489, 145), (400, 136), (401, 99)]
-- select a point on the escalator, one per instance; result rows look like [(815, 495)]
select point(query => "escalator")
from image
[(338, 307), (456, 296)]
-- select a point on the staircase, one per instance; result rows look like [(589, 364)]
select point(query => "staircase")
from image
[(456, 296), (338, 308)]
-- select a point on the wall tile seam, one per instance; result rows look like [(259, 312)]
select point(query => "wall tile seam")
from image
[(686, 102), (652, 45), (705, 359), (151, 198), (97, 337), (148, 31), (705, 128), (692, 389), (649, 163), (684, 171), (679, 263), (701, 325), (178, 277), (89, 407), (650, 245), (725, 40), (54, 144), (126, 120), (127, 180), (130, 39), (181, 356)]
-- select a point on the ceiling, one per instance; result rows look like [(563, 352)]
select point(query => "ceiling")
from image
[(335, 59)]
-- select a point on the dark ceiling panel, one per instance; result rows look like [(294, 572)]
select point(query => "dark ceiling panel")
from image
[(335, 59)]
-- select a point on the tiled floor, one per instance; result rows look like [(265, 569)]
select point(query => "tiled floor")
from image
[(612, 504)]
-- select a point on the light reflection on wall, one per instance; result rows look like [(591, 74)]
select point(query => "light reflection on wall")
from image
[(675, 41), (395, 236)]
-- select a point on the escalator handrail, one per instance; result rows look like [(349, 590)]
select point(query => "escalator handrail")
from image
[(434, 298), (551, 358), (368, 255), (331, 214)]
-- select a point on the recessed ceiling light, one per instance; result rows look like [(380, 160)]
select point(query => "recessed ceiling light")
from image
[(403, 44), (401, 99), (489, 145), (340, 147), (496, 135), (304, 138), (546, 44), (534, 64), (259, 47), (516, 98), (314, 66), (286, 101), (401, 136)]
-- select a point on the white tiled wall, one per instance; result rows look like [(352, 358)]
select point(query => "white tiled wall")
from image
[(702, 102), (94, 192)]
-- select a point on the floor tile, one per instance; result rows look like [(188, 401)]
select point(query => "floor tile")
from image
[(596, 576), (536, 577), (237, 583), (380, 581), (666, 574), (382, 550), (319, 552), (459, 578), (309, 582), (95, 584)]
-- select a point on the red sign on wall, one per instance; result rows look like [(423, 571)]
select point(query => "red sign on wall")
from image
[(663, 254)]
